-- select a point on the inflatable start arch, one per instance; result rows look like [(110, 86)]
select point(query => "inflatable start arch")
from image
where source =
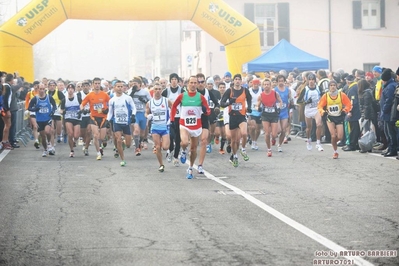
[(18, 35)]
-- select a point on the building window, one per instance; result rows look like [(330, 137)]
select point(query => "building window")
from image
[(265, 19), (368, 14), (371, 14), (368, 67)]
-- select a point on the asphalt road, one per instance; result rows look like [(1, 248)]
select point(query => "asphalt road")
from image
[(295, 208)]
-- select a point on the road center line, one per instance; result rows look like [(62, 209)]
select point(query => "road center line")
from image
[(301, 228)]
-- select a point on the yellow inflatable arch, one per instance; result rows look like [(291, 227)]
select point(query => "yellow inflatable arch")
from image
[(18, 35)]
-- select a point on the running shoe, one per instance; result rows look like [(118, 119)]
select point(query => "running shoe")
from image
[(176, 162), (189, 173), (244, 155), (145, 146), (123, 163), (273, 142), (235, 162), (86, 152), (253, 146), (169, 156), (116, 154), (51, 151), (65, 138), (36, 144), (256, 146), (309, 145), (7, 146), (161, 168), (217, 141), (285, 140), (154, 150), (289, 138), (212, 141), (279, 149), (59, 139), (335, 155), (319, 147), (228, 148), (98, 157), (269, 153), (183, 157), (44, 154), (200, 169), (138, 151), (221, 151), (71, 154), (104, 145), (231, 158), (102, 151), (208, 148)]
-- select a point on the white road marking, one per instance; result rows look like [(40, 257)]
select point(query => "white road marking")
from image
[(3, 154), (301, 228)]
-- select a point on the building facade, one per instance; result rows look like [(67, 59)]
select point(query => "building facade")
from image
[(350, 34)]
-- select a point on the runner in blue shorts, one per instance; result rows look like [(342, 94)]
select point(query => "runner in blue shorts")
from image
[(122, 112), (157, 111)]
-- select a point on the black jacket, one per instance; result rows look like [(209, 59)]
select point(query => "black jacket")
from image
[(366, 104)]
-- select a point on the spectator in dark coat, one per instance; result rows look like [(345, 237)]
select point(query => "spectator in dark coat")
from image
[(366, 102), (10, 105), (353, 116), (386, 103)]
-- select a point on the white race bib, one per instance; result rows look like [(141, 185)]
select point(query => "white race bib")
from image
[(269, 109), (121, 118), (159, 116), (44, 110), (334, 110), (97, 106), (236, 106), (190, 120)]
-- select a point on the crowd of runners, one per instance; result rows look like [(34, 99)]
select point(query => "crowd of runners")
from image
[(179, 115)]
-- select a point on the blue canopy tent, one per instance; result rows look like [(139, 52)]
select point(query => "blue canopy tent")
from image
[(285, 56)]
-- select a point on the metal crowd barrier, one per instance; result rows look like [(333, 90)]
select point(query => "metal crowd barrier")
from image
[(295, 124), (23, 131)]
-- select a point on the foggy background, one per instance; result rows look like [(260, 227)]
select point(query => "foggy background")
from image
[(107, 49), (84, 49)]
